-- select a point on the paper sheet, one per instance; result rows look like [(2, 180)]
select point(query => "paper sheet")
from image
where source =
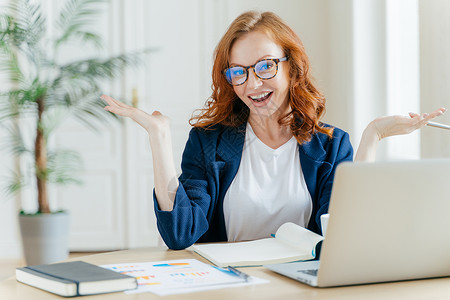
[(179, 276)]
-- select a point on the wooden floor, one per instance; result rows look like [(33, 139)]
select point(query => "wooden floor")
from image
[(8, 266)]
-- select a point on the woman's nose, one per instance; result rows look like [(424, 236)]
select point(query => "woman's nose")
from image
[(253, 81)]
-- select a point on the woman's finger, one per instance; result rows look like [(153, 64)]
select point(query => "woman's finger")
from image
[(121, 104), (118, 111), (437, 113), (111, 101), (107, 99), (426, 117)]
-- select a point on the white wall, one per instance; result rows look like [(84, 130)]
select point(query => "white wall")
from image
[(374, 69), (435, 72)]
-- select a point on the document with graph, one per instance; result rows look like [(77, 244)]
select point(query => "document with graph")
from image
[(179, 276)]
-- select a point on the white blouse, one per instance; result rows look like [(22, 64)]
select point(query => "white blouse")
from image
[(268, 190)]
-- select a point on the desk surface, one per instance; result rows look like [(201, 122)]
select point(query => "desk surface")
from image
[(279, 287)]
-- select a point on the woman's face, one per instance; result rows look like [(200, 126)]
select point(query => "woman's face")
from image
[(268, 97)]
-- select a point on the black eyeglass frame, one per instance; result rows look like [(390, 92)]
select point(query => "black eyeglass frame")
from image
[(275, 60)]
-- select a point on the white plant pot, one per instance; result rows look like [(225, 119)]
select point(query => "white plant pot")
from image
[(45, 237)]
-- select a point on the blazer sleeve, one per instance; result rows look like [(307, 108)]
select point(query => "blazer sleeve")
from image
[(187, 222), (340, 151)]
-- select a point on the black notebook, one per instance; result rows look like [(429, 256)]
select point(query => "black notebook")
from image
[(75, 278)]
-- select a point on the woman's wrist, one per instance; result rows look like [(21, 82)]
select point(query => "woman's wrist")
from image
[(159, 135), (368, 144), (371, 132)]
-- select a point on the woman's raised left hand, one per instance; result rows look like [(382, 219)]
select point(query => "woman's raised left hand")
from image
[(383, 127), (397, 124)]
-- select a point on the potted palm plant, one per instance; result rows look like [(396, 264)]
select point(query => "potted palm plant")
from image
[(42, 89)]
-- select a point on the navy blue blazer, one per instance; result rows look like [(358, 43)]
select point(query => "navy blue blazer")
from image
[(209, 164)]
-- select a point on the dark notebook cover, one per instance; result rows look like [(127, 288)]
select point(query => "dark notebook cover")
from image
[(77, 272)]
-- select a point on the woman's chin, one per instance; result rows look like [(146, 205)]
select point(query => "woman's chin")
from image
[(264, 111)]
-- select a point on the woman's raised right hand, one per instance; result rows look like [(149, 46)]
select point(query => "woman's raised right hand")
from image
[(154, 123), (158, 128)]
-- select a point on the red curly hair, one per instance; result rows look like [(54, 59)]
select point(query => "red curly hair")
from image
[(306, 102)]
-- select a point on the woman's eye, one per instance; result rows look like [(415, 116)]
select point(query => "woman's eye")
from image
[(264, 66), (238, 72)]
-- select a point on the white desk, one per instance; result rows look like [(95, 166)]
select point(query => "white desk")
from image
[(279, 288)]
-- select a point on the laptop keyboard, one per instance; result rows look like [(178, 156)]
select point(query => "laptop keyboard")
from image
[(312, 272)]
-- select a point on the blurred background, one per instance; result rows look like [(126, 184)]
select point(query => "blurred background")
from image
[(369, 57)]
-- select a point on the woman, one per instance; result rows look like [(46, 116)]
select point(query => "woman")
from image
[(258, 155)]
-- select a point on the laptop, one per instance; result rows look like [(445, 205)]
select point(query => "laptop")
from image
[(389, 221)]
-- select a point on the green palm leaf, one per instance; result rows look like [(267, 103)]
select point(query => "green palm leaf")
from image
[(73, 19), (63, 165), (15, 142), (24, 28), (14, 183)]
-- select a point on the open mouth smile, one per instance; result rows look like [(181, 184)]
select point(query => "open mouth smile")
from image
[(261, 97)]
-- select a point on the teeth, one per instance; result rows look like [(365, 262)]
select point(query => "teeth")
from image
[(260, 96)]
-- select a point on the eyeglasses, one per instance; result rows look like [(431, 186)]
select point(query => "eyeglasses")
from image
[(264, 69)]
